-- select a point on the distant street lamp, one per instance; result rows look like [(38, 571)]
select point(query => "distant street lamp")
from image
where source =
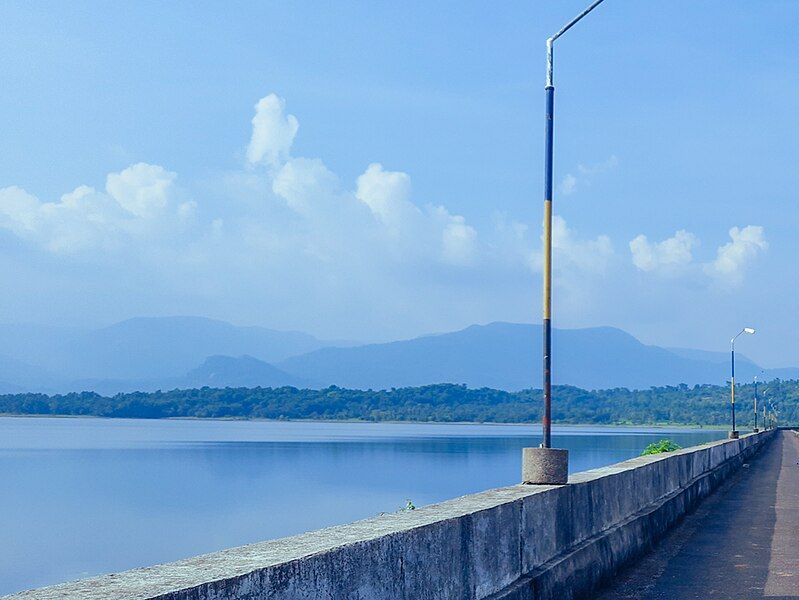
[(755, 429), (734, 433), (544, 465)]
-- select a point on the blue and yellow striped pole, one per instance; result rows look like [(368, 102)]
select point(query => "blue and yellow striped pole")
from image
[(755, 426), (732, 387), (546, 420), (750, 331), (547, 465)]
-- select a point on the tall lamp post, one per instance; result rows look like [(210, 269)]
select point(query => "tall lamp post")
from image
[(546, 465), (734, 433), (755, 429)]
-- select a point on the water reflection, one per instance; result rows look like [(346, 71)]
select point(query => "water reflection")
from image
[(87, 496)]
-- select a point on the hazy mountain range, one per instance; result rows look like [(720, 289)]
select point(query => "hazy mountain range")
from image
[(186, 352)]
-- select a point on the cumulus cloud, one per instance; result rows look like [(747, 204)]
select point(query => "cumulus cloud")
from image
[(458, 239), (585, 173), (669, 255), (273, 132), (387, 194), (135, 200), (19, 211), (587, 254), (675, 254), (306, 185), (143, 190), (284, 234), (733, 257), (580, 265)]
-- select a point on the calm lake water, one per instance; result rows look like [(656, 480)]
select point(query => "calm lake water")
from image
[(79, 497)]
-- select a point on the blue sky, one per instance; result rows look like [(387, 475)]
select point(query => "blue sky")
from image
[(391, 185)]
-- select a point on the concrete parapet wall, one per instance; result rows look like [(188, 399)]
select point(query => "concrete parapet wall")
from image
[(514, 543)]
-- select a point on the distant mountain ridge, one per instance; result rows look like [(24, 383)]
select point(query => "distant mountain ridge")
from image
[(242, 371), (508, 356), (170, 346), (147, 354)]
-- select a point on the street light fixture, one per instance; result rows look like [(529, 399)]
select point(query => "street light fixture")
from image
[(755, 429), (749, 330), (546, 465)]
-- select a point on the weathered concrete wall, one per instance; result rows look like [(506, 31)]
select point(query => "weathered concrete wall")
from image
[(514, 543)]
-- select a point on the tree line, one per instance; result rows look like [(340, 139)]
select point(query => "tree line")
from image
[(677, 405), (682, 404)]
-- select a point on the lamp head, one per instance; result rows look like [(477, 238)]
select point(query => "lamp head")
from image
[(749, 330)]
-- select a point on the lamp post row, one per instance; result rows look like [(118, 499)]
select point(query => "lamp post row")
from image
[(549, 90), (750, 331), (755, 428), (546, 465)]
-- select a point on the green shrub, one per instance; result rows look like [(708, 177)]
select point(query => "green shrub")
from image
[(659, 447)]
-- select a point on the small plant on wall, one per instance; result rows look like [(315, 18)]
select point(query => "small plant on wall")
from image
[(660, 447)]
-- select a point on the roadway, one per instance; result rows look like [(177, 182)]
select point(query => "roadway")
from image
[(742, 541)]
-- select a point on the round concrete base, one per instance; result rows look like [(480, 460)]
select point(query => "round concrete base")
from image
[(545, 466), (732, 435)]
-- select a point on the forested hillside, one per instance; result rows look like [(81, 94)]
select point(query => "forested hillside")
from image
[(687, 405)]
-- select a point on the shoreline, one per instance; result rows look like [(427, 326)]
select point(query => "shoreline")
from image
[(702, 427)]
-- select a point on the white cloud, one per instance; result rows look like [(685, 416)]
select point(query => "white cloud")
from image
[(273, 132), (306, 185), (19, 211), (733, 257), (138, 202), (387, 194), (585, 173), (458, 241), (590, 255), (675, 254), (669, 255), (568, 185), (187, 211), (595, 169), (291, 240), (581, 266), (143, 190)]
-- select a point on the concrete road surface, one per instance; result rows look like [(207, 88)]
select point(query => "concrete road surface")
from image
[(742, 542)]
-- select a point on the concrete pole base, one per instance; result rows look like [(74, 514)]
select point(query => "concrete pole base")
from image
[(545, 466), (732, 435)]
